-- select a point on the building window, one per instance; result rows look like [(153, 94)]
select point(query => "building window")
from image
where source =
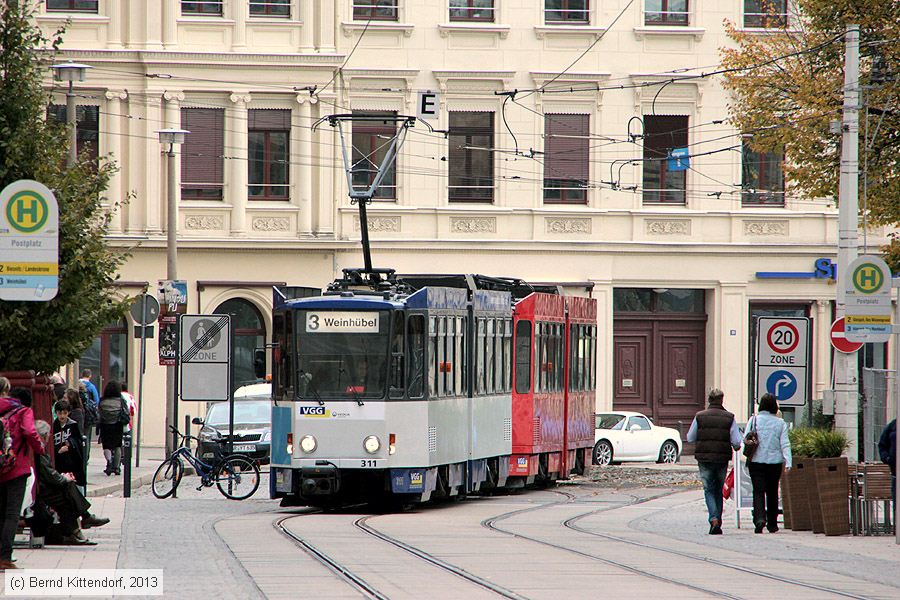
[(566, 158), (767, 14), (661, 135), (202, 154), (762, 180), (567, 11), (376, 10), (249, 335), (666, 12), (85, 6), (269, 134), (212, 8), (472, 10), (87, 127), (107, 356), (471, 168), (372, 139), (270, 8)]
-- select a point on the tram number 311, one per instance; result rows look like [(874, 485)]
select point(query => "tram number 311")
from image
[(368, 463)]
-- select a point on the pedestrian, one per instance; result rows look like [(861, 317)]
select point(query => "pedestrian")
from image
[(93, 400), (129, 399), (22, 395), (113, 418), (715, 433), (772, 456), (91, 417), (67, 447), (887, 449), (77, 413), (24, 443)]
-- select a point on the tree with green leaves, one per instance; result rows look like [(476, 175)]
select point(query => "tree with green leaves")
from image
[(44, 335), (787, 84)]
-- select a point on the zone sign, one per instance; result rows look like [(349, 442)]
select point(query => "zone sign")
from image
[(781, 358)]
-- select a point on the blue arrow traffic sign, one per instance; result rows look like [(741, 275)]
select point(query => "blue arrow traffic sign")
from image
[(782, 384)]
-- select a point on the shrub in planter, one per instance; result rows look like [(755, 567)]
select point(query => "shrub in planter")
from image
[(822, 473)]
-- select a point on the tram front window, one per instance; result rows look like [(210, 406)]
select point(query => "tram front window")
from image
[(342, 356)]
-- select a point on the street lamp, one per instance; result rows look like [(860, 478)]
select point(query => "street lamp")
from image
[(171, 137), (71, 72)]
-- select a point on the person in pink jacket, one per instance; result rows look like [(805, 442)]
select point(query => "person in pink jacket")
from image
[(26, 443)]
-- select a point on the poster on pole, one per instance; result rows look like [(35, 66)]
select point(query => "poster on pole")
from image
[(172, 296)]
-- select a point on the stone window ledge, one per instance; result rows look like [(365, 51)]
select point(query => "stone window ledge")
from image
[(405, 28), (696, 32), (570, 30), (489, 28)]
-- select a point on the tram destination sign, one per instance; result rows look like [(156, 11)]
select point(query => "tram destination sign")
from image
[(341, 322), (782, 358), (29, 242)]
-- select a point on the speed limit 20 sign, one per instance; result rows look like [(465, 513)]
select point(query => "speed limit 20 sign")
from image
[(781, 358)]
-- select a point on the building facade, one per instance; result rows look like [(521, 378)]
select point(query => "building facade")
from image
[(574, 143)]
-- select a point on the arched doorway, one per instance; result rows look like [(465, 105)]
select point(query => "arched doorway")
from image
[(249, 334)]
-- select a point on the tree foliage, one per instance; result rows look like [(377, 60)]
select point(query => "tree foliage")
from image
[(44, 335), (786, 88)]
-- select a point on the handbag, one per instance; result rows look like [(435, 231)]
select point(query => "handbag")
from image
[(124, 414), (751, 441)]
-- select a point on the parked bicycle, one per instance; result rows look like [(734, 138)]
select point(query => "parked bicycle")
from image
[(236, 476)]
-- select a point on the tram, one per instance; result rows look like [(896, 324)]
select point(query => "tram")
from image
[(420, 387)]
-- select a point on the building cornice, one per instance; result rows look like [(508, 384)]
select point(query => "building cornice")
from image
[(197, 59)]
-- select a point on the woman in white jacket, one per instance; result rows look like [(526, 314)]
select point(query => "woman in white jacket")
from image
[(771, 457)]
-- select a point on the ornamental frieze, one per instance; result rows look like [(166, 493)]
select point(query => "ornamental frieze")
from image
[(390, 224), (204, 222), (271, 224), (668, 227), (567, 226), (473, 224), (779, 228)]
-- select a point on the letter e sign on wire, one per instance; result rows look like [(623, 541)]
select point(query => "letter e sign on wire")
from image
[(781, 358), (428, 105)]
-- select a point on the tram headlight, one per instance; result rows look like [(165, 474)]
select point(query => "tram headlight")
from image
[(308, 444), (372, 444)]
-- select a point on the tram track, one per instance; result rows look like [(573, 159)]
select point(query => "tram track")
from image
[(571, 524), (368, 589)]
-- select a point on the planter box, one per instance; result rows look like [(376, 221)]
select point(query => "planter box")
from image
[(786, 500), (831, 486), (799, 483)]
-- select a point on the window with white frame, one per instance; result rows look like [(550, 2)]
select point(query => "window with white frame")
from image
[(566, 158), (472, 10), (372, 138), (471, 156), (268, 153), (271, 8), (375, 10), (766, 14), (83, 6), (211, 8), (567, 11), (666, 12), (663, 183), (87, 130), (762, 177)]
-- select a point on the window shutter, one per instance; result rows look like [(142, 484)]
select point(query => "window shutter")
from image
[(203, 149), (566, 147), (269, 119)]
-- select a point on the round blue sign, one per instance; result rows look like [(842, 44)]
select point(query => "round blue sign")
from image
[(782, 384)]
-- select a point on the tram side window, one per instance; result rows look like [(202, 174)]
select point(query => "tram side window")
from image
[(523, 357), (442, 355), (592, 357), (489, 357), (540, 358), (507, 355), (415, 341), (463, 371), (559, 363), (433, 359), (451, 356), (479, 357), (458, 357), (282, 356), (397, 359)]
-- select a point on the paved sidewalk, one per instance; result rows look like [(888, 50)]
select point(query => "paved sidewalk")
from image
[(101, 484)]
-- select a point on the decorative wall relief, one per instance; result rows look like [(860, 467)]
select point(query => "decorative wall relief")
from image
[(391, 224), (204, 222), (668, 227), (779, 228), (567, 225), (473, 224), (271, 224)]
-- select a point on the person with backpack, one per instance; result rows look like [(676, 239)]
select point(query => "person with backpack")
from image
[(19, 442), (114, 416), (91, 417)]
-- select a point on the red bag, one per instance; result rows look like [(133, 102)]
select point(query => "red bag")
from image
[(729, 484)]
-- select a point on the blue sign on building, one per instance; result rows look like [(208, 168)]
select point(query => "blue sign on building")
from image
[(679, 159)]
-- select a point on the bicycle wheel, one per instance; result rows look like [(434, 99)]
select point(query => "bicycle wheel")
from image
[(237, 477), (167, 477)]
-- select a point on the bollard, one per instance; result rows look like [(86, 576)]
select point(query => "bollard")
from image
[(187, 430), (126, 449), (84, 444)]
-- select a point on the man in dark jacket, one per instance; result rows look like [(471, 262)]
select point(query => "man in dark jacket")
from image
[(887, 448), (715, 433)]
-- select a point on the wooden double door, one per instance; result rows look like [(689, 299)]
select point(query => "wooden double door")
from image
[(659, 368)]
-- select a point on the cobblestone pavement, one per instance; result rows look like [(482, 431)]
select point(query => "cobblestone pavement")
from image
[(628, 476), (178, 535)]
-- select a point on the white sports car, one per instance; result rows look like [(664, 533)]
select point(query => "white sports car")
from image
[(632, 437)]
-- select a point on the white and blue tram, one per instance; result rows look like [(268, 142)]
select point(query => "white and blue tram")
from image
[(391, 394)]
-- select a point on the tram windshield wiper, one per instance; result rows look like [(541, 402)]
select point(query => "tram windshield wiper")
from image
[(311, 387), (350, 388)]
